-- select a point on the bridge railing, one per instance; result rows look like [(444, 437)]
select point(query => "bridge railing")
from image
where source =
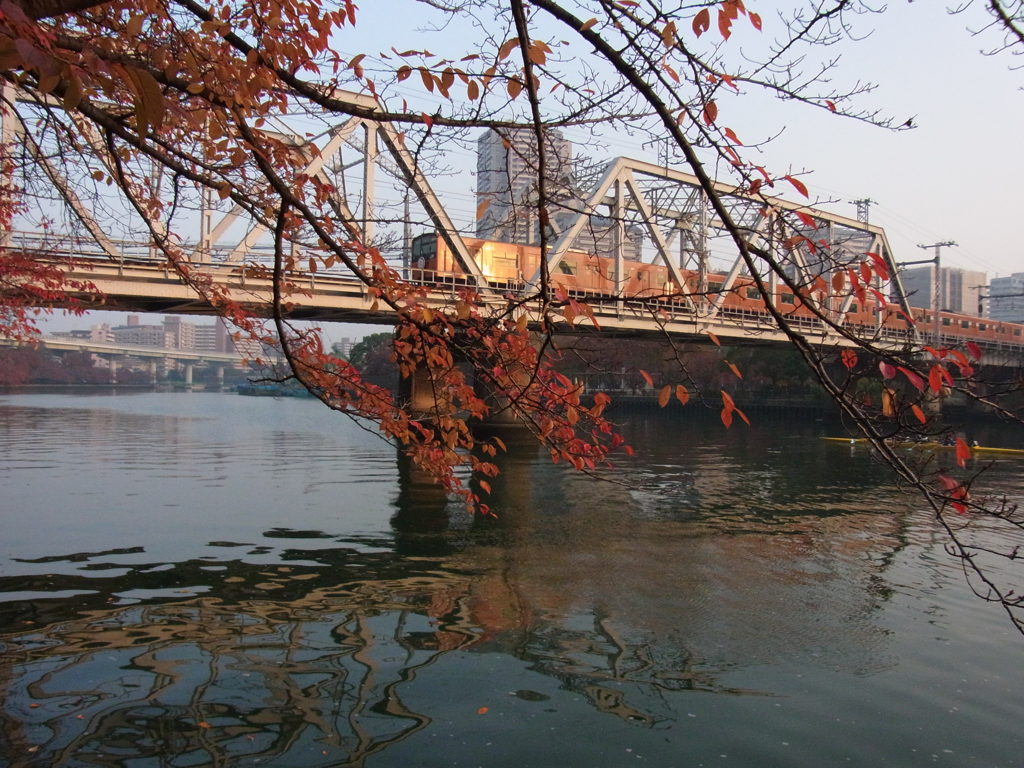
[(446, 286)]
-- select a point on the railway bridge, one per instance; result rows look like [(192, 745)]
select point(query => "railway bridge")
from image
[(683, 237)]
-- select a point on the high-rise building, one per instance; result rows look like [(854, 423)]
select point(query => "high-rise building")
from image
[(1006, 298), (172, 333), (136, 334), (958, 288), (507, 192), (182, 335), (507, 188)]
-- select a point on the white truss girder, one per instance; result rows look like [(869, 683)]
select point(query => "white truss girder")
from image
[(670, 207), (670, 204)]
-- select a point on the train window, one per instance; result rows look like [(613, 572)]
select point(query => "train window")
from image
[(424, 245), (982, 326), (753, 293), (1016, 331), (566, 268), (854, 308), (786, 298), (947, 321), (965, 323), (714, 287)]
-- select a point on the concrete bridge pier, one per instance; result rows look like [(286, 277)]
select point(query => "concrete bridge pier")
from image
[(423, 395), (188, 375), (152, 371), (219, 373), (113, 370), (501, 412)]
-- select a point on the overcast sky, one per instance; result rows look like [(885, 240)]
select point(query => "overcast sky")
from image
[(956, 176)]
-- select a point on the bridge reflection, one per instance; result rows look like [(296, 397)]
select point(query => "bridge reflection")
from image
[(332, 655)]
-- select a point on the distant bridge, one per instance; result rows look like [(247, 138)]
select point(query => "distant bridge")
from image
[(112, 352), (134, 350)]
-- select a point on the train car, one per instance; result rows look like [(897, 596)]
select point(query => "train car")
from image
[(586, 274), (510, 264)]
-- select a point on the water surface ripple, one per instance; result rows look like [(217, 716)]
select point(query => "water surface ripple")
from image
[(207, 579)]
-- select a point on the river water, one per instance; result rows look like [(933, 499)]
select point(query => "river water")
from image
[(207, 579)]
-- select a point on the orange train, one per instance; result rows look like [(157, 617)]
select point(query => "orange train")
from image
[(588, 276)]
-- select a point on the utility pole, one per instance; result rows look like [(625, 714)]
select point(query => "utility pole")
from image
[(863, 209), (406, 239), (936, 294)]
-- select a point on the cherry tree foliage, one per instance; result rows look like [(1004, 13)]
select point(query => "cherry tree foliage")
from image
[(144, 112)]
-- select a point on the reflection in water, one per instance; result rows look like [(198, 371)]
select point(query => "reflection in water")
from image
[(323, 634)]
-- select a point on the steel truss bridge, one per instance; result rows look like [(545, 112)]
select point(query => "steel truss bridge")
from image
[(670, 208)]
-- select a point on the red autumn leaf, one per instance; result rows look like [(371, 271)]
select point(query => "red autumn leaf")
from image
[(919, 413), (702, 22), (482, 711), (507, 47), (731, 136), (710, 112), (742, 416), (798, 185), (668, 34), (714, 339), (727, 400), (807, 219), (881, 268), (957, 493), (682, 395), (849, 358), (726, 417), (647, 377), (938, 354), (974, 350), (838, 282), (664, 395), (935, 378), (831, 106), (963, 452), (725, 23), (912, 377), (887, 370), (734, 369), (755, 20), (960, 357)]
